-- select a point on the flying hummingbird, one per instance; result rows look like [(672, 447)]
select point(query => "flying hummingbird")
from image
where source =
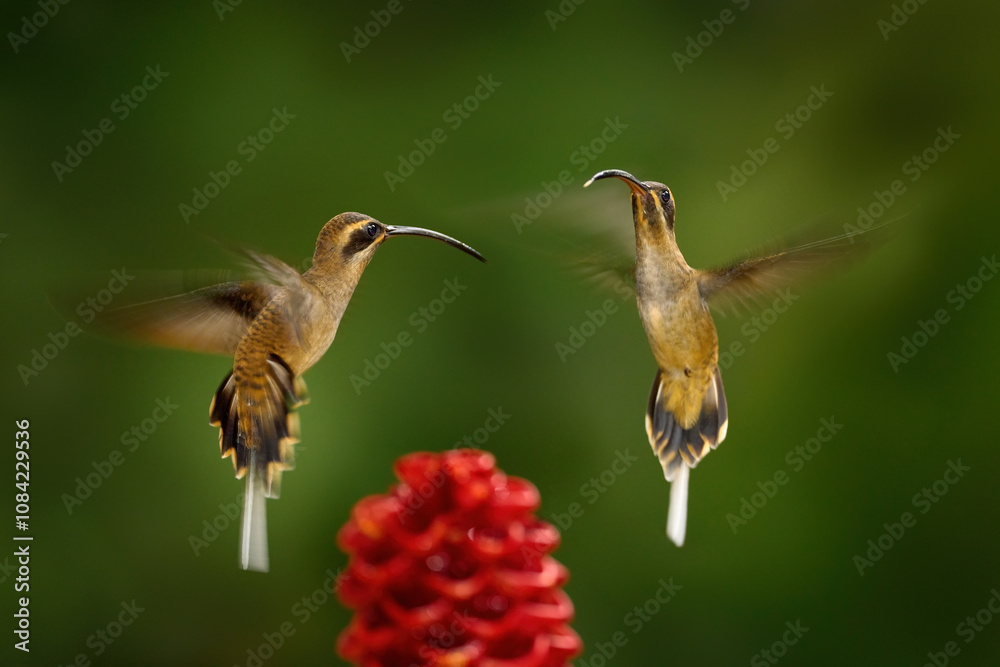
[(276, 329), (686, 413)]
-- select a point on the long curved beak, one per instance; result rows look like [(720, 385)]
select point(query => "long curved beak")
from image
[(633, 183), (393, 230)]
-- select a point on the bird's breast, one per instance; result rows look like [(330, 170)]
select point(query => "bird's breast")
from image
[(681, 332), (299, 338), (313, 337), (684, 343)]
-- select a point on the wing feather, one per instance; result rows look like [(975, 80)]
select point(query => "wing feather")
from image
[(211, 319), (744, 282)]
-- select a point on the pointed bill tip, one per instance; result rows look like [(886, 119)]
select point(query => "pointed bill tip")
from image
[(633, 183), (394, 230)]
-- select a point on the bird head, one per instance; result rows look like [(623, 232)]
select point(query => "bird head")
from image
[(349, 241), (652, 204)]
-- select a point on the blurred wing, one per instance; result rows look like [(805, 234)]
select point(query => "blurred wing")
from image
[(598, 240), (298, 295), (211, 319), (600, 261), (588, 235), (591, 237), (271, 269), (744, 282)]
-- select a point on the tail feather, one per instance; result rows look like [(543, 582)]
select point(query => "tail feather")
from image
[(677, 515), (253, 530), (679, 448), (265, 452)]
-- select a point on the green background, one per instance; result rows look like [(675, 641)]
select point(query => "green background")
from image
[(496, 345)]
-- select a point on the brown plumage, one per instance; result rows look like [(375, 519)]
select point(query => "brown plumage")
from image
[(275, 328), (687, 415)]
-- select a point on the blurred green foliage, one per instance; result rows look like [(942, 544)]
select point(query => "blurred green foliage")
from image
[(560, 82)]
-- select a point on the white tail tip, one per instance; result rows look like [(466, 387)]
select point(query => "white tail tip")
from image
[(253, 537), (677, 515)]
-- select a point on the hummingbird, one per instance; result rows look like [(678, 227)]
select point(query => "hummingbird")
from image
[(276, 329), (687, 414)]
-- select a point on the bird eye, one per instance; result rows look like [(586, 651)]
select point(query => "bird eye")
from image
[(665, 196), (371, 229)]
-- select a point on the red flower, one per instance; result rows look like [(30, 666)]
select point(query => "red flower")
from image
[(451, 569)]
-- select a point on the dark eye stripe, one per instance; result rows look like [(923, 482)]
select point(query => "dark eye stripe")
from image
[(358, 241)]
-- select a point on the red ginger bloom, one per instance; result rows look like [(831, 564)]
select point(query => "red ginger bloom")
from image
[(451, 569)]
